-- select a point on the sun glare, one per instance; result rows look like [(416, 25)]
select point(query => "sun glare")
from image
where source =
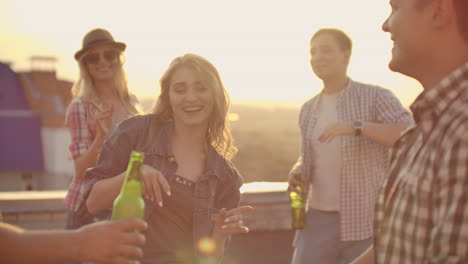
[(233, 117), (260, 48), (207, 246)]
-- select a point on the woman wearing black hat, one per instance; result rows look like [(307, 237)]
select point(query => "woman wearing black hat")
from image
[(101, 101)]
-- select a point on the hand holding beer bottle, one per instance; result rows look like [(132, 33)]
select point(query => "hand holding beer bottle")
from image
[(129, 203), (298, 195)]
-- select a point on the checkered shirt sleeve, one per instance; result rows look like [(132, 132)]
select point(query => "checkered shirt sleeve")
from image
[(81, 137), (77, 120), (389, 109)]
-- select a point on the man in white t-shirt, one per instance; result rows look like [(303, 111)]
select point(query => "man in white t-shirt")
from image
[(347, 131)]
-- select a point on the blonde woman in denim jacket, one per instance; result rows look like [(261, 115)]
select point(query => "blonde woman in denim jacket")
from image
[(190, 187)]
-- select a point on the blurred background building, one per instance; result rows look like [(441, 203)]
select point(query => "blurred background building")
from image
[(34, 138)]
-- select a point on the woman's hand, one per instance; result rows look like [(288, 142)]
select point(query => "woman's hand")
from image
[(153, 184), (103, 116), (229, 222)]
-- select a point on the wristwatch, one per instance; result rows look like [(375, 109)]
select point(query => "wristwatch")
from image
[(357, 125)]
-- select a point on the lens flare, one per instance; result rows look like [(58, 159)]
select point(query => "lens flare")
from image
[(207, 246)]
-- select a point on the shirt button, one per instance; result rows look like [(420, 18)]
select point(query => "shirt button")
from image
[(171, 159)]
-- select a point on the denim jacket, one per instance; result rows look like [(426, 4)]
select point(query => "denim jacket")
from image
[(217, 188)]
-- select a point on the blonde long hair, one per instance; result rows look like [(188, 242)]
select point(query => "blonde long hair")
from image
[(219, 131), (85, 88)]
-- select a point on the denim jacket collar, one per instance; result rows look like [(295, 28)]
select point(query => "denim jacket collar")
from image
[(215, 163), (163, 145)]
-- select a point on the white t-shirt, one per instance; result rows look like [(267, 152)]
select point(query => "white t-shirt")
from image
[(325, 189)]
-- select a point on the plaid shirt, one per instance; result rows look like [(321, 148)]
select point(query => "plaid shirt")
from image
[(364, 162), (83, 131), (82, 126), (422, 210)]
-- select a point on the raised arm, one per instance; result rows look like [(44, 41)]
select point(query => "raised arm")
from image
[(384, 134), (83, 149), (391, 120)]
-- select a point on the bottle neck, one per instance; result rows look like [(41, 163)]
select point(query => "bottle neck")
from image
[(132, 184), (134, 171), (131, 188)]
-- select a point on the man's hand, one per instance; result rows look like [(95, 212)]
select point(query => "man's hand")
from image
[(294, 181), (113, 242), (336, 129)]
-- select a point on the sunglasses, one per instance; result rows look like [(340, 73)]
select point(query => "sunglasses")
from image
[(111, 56)]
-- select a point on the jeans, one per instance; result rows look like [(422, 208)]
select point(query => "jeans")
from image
[(319, 242)]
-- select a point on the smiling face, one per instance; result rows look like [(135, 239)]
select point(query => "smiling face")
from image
[(102, 62), (190, 99), (327, 58), (408, 25)]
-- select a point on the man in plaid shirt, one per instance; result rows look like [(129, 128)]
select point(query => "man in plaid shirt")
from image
[(347, 131), (422, 210)]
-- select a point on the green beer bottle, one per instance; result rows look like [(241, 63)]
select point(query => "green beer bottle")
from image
[(298, 203), (129, 203)]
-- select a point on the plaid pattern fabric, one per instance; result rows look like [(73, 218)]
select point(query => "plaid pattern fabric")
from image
[(364, 162), (82, 126), (83, 130), (422, 209)]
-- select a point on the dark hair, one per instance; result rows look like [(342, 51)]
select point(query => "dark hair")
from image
[(343, 40), (461, 9)]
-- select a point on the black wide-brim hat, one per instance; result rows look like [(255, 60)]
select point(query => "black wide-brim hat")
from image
[(95, 37)]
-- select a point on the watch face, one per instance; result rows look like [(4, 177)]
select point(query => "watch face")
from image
[(357, 124)]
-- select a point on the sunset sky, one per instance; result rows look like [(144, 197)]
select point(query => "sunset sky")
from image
[(260, 47)]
